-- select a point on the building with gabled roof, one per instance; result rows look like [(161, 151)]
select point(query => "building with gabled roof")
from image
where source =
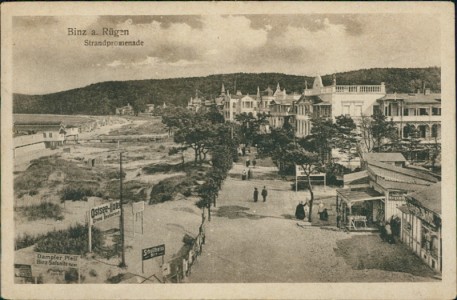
[(421, 224), (391, 183), (393, 158), (422, 110)]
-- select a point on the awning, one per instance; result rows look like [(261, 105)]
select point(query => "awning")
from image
[(351, 196)]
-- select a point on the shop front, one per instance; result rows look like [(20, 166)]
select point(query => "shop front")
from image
[(360, 209), (421, 232)]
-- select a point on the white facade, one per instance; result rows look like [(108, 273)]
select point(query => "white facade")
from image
[(352, 100), (421, 110)]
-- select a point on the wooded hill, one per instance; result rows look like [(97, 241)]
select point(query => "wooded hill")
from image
[(102, 98)]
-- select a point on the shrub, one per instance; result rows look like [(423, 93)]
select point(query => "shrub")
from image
[(43, 210), (26, 240), (71, 275), (80, 191), (33, 192), (93, 273), (69, 241), (163, 191), (116, 279), (132, 190), (187, 193), (40, 169)]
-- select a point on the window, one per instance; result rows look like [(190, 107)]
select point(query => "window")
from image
[(423, 111), (435, 130), (346, 109), (234, 104), (44, 134), (358, 110), (376, 109), (50, 134), (405, 112), (436, 111)]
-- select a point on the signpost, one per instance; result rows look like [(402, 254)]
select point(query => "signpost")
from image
[(299, 172), (101, 213), (152, 252), (24, 271), (137, 208), (58, 260)]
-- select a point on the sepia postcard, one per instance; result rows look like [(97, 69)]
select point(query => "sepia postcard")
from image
[(228, 150)]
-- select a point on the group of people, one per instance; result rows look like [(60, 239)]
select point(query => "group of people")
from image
[(248, 162), (246, 174), (264, 194), (302, 211)]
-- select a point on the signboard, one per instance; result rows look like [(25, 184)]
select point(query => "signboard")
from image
[(22, 270), (166, 269), (105, 211), (57, 260), (299, 171), (152, 252), (138, 207), (396, 196)]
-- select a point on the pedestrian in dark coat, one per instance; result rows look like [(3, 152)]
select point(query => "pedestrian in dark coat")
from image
[(300, 211), (256, 194), (264, 194)]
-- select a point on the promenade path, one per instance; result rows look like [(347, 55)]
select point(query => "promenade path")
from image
[(251, 242)]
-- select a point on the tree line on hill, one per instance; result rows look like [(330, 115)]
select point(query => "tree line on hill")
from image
[(103, 98)]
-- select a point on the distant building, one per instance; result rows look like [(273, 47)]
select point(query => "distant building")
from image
[(23, 125), (233, 105), (125, 110), (421, 110), (281, 108), (196, 103), (421, 224), (149, 108), (350, 100)]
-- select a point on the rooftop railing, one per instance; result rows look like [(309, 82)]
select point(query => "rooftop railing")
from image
[(375, 89)]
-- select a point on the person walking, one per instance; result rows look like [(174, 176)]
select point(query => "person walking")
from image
[(264, 194), (256, 194)]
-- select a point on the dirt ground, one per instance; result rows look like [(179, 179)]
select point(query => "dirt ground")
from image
[(260, 242), (165, 223)]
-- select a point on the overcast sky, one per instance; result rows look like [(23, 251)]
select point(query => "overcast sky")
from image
[(46, 59)]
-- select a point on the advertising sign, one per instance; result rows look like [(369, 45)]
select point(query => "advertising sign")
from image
[(22, 270), (299, 171), (57, 260), (153, 252), (138, 207), (105, 211)]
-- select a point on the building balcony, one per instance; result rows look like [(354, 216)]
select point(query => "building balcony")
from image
[(362, 89), (411, 119)]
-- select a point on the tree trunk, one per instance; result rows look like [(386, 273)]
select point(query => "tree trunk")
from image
[(214, 202), (312, 198), (209, 212), (196, 156)]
